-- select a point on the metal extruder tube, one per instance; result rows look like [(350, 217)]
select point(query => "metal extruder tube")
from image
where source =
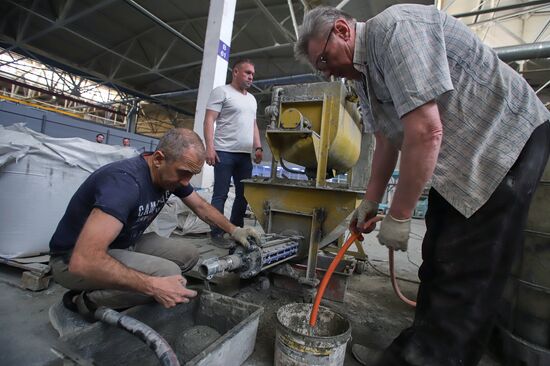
[(212, 266), (248, 263)]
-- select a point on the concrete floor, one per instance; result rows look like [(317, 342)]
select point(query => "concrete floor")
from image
[(376, 314)]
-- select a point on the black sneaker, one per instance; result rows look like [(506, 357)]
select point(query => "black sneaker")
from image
[(86, 307), (77, 302), (68, 300)]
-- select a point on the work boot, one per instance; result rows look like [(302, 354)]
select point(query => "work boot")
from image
[(78, 302), (366, 355), (85, 307), (68, 300)]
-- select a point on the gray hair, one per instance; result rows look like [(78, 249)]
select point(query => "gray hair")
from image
[(316, 22), (177, 141)]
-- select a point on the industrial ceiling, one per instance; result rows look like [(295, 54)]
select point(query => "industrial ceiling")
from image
[(153, 48)]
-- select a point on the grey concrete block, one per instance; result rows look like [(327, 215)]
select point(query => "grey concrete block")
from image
[(34, 282)]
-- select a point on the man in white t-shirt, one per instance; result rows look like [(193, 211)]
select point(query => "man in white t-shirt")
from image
[(236, 136)]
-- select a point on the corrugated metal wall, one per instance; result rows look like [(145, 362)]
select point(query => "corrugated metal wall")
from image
[(57, 125)]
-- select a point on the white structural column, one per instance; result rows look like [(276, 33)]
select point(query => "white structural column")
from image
[(214, 69)]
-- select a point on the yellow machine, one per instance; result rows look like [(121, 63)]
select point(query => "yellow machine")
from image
[(316, 126)]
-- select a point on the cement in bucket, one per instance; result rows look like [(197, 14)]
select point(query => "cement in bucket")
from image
[(297, 344)]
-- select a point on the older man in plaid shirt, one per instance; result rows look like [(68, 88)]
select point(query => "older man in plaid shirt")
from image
[(430, 89)]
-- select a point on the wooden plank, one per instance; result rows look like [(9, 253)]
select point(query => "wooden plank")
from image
[(38, 268)]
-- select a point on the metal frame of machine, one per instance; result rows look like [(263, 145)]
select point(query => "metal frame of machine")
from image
[(317, 126)]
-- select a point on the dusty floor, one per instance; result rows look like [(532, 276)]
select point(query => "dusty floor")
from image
[(376, 314)]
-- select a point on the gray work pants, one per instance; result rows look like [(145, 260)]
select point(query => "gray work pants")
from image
[(152, 255)]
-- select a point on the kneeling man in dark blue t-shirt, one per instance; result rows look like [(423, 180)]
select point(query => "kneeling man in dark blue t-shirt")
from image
[(98, 250)]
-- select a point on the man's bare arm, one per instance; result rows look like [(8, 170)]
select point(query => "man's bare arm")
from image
[(209, 119), (421, 144), (383, 165), (91, 261), (258, 153)]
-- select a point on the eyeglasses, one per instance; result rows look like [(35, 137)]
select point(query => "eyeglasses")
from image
[(322, 60)]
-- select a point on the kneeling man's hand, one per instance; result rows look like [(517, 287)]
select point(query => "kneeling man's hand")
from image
[(241, 234), (170, 290)]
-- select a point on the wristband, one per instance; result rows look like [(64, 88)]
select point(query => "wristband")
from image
[(259, 148)]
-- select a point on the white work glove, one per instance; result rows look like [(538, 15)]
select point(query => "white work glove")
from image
[(366, 211), (394, 233), (241, 234)]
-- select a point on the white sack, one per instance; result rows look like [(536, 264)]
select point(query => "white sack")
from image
[(177, 218), (38, 176)]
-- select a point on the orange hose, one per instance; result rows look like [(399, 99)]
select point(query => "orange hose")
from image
[(326, 278), (394, 281), (330, 270)]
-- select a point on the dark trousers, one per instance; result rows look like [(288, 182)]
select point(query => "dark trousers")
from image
[(237, 166), (466, 263)]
